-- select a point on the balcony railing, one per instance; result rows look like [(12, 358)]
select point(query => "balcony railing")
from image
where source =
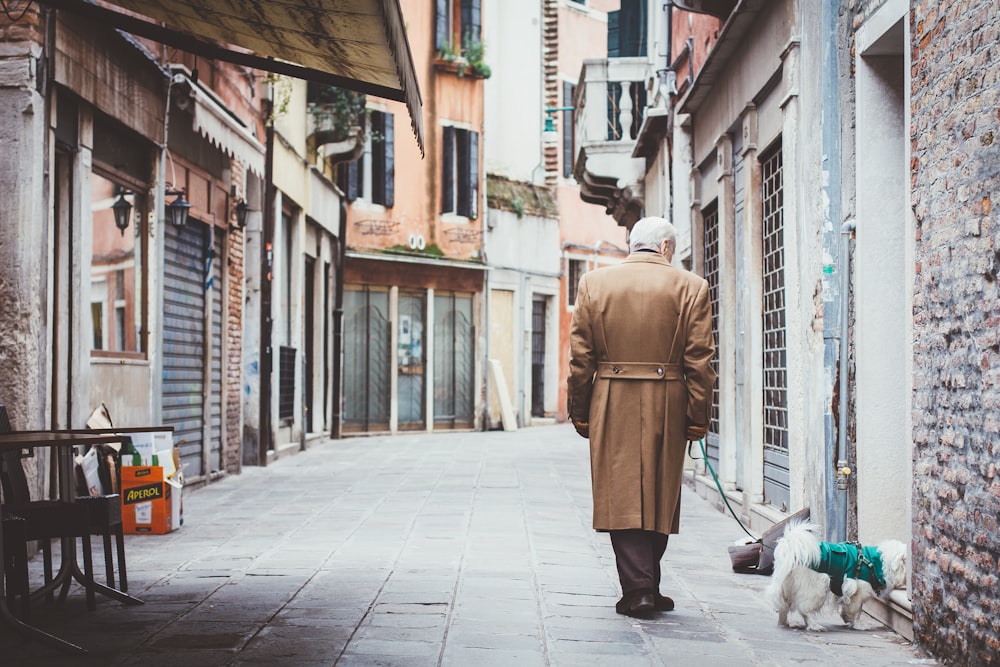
[(610, 102)]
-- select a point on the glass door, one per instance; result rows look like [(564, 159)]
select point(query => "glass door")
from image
[(410, 360)]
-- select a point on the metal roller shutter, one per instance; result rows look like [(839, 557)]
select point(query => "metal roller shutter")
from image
[(184, 341), (215, 409)]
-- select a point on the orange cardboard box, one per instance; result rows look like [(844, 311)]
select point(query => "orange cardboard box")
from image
[(149, 502)]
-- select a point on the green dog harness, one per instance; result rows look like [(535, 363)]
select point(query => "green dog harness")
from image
[(849, 559)]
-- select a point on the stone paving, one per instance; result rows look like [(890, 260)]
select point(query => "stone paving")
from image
[(447, 549)]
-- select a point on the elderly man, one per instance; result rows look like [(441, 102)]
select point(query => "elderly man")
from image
[(640, 386)]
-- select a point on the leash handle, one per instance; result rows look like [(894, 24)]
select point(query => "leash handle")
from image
[(718, 485)]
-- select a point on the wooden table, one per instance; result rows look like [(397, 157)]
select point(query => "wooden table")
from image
[(63, 443)]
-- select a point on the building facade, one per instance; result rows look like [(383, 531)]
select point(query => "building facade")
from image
[(809, 411), (134, 313), (413, 309), (111, 300), (841, 213), (592, 229)]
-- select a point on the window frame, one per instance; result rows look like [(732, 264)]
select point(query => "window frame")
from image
[(453, 19), (357, 178), (141, 206), (572, 287), (460, 172)]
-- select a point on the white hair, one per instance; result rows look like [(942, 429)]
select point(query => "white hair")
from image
[(650, 232)]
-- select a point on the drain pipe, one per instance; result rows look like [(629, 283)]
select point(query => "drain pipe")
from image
[(843, 446)]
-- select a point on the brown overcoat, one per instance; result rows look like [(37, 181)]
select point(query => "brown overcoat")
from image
[(641, 347)]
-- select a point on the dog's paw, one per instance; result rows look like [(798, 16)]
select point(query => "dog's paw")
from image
[(815, 627)]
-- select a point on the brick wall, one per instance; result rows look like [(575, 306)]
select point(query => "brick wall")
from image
[(956, 414), (27, 28), (232, 449)]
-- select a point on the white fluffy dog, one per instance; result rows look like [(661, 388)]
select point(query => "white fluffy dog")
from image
[(810, 574)]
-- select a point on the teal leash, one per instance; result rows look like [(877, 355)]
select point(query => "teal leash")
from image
[(718, 485)]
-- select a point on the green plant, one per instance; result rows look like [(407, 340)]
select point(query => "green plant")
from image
[(336, 109), (518, 205), (474, 52), (448, 53), (281, 95), (432, 249), (470, 58)]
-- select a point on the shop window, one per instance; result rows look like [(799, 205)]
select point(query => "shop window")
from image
[(460, 172), (117, 274)]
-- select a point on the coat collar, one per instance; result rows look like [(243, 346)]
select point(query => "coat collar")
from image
[(648, 257)]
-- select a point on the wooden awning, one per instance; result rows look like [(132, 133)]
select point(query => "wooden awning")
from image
[(356, 44)]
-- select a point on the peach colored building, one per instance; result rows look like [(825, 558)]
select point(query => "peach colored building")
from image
[(414, 273)]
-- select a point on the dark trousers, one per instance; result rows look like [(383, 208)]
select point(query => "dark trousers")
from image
[(637, 555)]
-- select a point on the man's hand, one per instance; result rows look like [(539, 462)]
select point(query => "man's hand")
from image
[(695, 432), (583, 428)]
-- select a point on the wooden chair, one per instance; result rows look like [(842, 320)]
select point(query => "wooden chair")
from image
[(40, 520)]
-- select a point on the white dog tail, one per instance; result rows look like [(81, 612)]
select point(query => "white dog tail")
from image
[(799, 547)]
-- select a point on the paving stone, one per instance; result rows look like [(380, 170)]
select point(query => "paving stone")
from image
[(442, 549)]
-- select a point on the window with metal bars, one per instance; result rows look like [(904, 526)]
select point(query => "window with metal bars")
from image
[(286, 382), (775, 344), (711, 243)]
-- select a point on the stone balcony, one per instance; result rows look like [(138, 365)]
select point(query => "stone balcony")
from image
[(609, 105)]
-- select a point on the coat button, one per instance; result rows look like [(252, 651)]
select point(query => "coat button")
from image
[(615, 369), (659, 371)]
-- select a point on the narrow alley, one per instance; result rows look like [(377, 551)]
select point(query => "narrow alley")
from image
[(429, 549)]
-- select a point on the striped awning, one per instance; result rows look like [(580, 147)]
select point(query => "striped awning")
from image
[(356, 44)]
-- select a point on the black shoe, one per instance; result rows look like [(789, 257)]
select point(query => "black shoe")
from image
[(663, 603), (639, 604)]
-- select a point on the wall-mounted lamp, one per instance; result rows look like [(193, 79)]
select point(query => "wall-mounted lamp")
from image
[(242, 209), (549, 134), (123, 211), (178, 209)]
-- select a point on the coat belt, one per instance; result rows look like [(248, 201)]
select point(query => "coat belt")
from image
[(639, 370)]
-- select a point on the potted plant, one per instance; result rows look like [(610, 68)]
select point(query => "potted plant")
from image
[(335, 113), (467, 60)]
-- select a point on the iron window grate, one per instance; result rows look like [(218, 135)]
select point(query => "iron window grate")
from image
[(775, 345), (286, 382), (711, 220)]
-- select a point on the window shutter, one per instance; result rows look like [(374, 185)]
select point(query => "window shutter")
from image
[(462, 172), (378, 157), (362, 168), (351, 188), (447, 170), (568, 129), (390, 161), (473, 174), (613, 33), (441, 36)]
